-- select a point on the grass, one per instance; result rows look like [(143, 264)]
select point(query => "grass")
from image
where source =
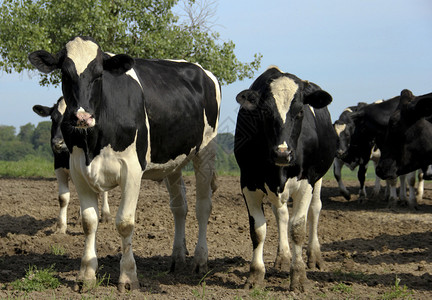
[(29, 167), (57, 250), (398, 292), (36, 280)]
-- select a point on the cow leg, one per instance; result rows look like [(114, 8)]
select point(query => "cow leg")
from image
[(178, 204), (258, 231), (125, 223), (361, 175), (377, 186), (89, 220), (420, 188), (412, 200), (337, 167), (314, 249), (64, 197), (106, 215), (297, 230), (391, 184), (283, 257), (204, 166)]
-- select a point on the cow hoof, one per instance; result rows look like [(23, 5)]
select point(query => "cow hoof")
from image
[(128, 286), (83, 286), (282, 263), (346, 195), (61, 229), (200, 268), (177, 264), (254, 282), (314, 261), (105, 218)]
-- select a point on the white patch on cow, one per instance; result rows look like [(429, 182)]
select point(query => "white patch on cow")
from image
[(61, 106), (339, 128), (283, 90), (274, 67), (379, 101), (134, 75), (81, 53), (156, 171), (107, 168), (312, 110), (348, 109), (283, 147)]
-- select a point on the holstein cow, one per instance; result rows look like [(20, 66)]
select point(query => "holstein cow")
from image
[(370, 122), (61, 162), (284, 144), (352, 151), (128, 119), (408, 141)]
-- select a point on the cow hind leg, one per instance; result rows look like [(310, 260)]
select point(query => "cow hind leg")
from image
[(283, 257), (314, 248), (337, 168), (106, 215), (361, 176), (178, 204), (63, 198), (258, 230), (204, 166), (297, 231)]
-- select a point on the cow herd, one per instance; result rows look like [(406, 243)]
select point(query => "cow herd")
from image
[(123, 119)]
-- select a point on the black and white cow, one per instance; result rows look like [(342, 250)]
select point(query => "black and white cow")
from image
[(352, 151), (284, 143), (128, 119), (407, 144), (61, 162), (370, 123)]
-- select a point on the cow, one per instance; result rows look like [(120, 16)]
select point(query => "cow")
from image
[(129, 119), (61, 163), (407, 144), (352, 152), (369, 122), (284, 143)]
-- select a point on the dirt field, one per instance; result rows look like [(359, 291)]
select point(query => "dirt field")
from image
[(365, 247)]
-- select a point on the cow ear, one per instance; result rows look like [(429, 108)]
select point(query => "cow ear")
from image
[(118, 64), (43, 61), (318, 99), (43, 111), (248, 99)]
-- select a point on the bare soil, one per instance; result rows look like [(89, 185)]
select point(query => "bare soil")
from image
[(365, 246)]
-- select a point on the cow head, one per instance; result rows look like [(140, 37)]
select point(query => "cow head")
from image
[(56, 113), (408, 139), (82, 64), (280, 99)]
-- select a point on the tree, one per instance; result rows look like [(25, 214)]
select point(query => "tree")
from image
[(26, 133), (7, 133), (140, 28)]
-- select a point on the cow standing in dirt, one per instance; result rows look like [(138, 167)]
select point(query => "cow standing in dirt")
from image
[(284, 143)]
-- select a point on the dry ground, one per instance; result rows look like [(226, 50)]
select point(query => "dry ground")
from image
[(365, 246)]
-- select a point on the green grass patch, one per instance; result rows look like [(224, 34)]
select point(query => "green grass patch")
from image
[(37, 280), (31, 166), (347, 174), (398, 292)]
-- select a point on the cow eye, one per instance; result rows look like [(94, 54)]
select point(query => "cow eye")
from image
[(299, 114)]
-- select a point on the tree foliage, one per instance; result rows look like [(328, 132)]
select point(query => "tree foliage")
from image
[(140, 28)]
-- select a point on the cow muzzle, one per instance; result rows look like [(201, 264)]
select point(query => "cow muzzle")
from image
[(283, 155), (59, 145), (85, 119)]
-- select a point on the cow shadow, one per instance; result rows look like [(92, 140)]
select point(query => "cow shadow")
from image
[(26, 225)]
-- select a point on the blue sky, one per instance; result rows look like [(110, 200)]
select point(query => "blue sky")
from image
[(356, 50)]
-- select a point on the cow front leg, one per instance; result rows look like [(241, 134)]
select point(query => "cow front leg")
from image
[(178, 204), (283, 256), (89, 220), (63, 198), (297, 230), (361, 176), (125, 223), (258, 229), (314, 248), (204, 166), (337, 168), (106, 215)]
